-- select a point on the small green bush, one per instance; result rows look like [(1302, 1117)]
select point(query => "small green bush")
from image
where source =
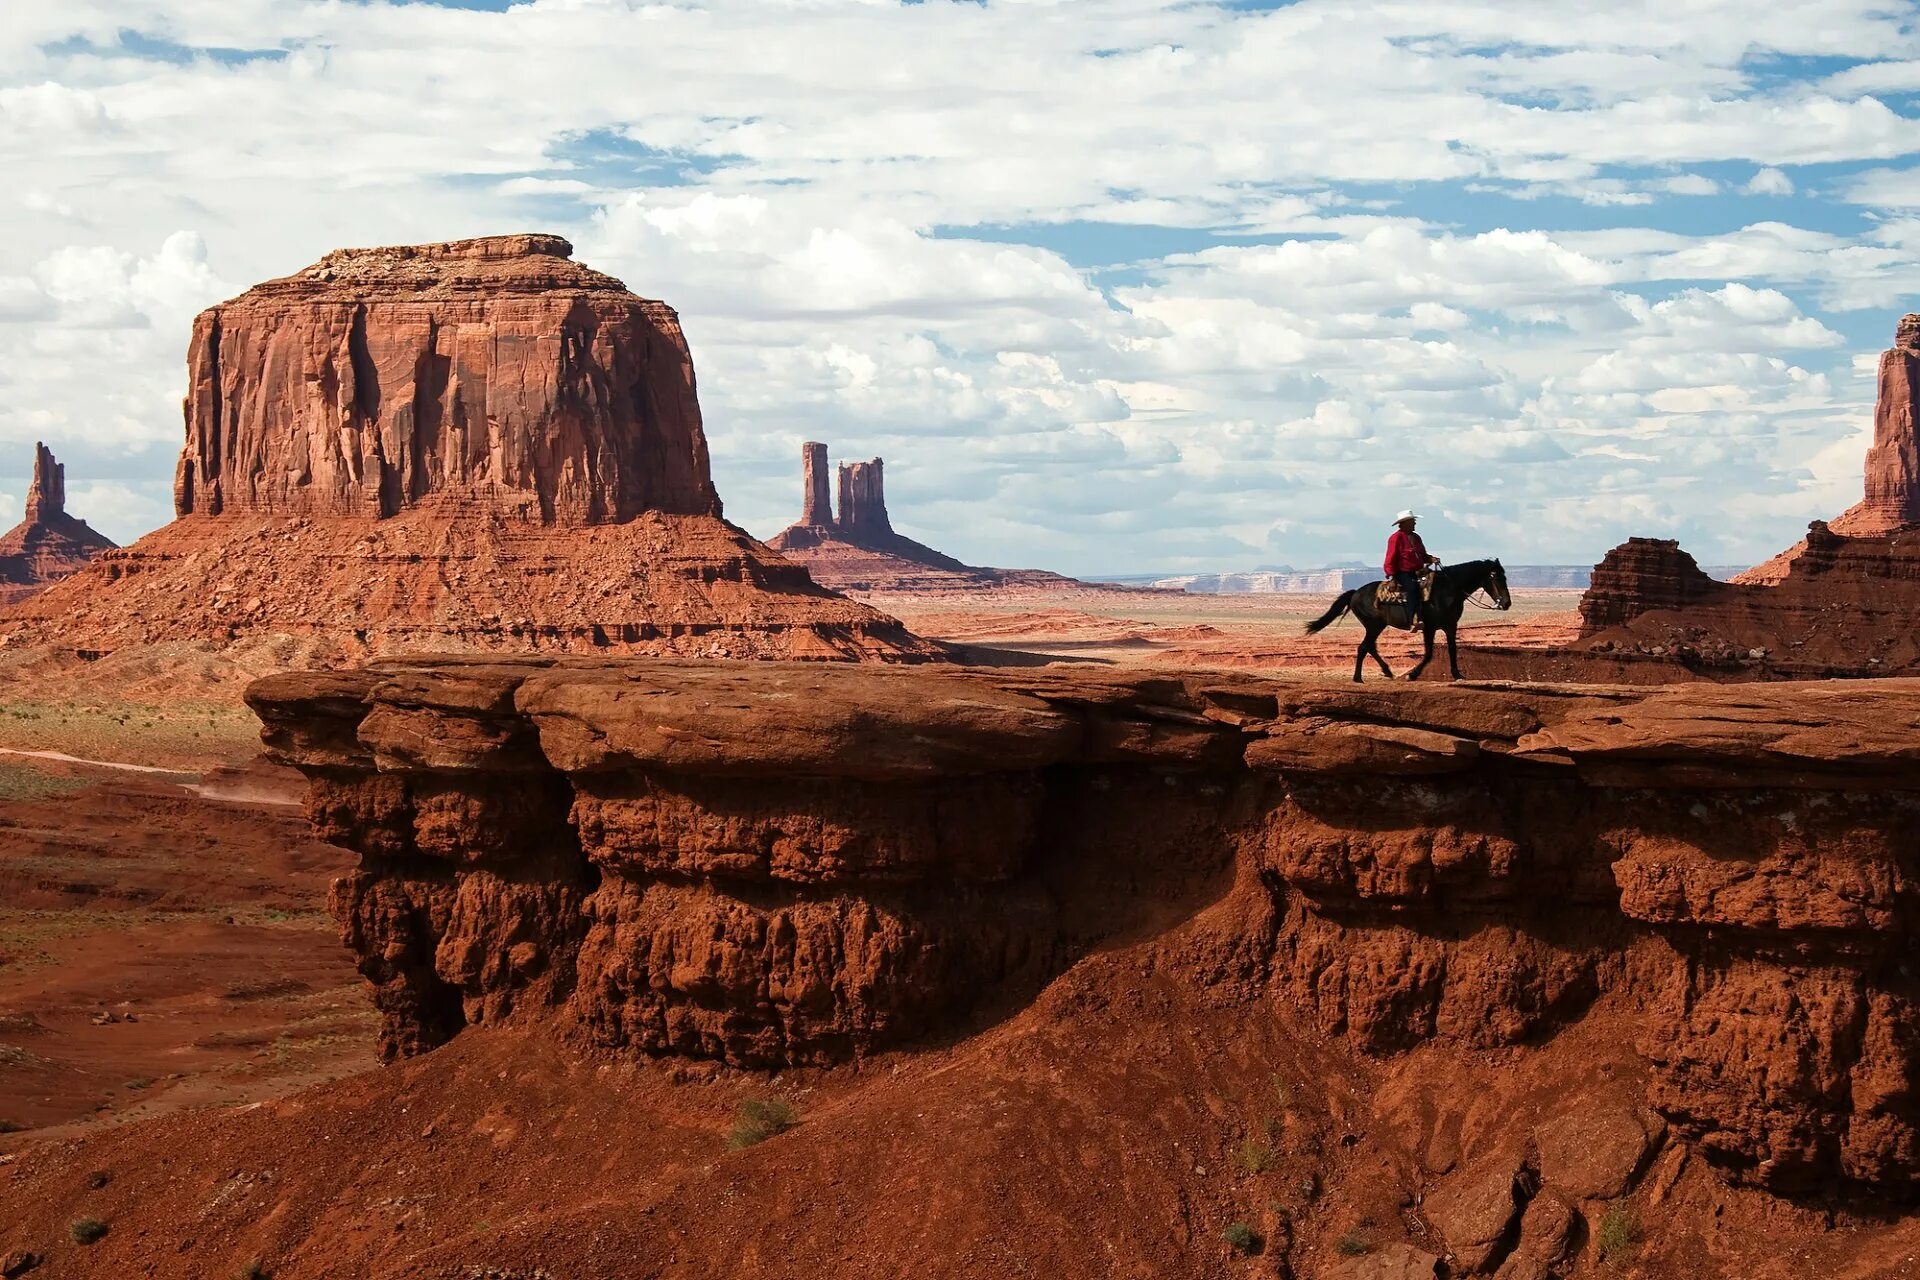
[(1257, 1156), (1352, 1244), (1619, 1231), (760, 1119), (87, 1230), (1244, 1239)]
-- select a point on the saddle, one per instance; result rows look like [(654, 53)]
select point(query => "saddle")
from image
[(1389, 590), (1396, 611)]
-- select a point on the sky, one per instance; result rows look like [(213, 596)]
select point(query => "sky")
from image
[(1113, 285)]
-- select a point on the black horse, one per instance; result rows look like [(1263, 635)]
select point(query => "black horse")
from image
[(1451, 587)]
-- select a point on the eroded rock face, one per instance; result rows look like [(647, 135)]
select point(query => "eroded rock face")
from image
[(1640, 575), (479, 445), (496, 372), (48, 544), (773, 864)]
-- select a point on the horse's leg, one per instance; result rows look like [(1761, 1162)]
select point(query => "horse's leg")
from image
[(1360, 656), (1373, 643), (1425, 658), (1453, 657)]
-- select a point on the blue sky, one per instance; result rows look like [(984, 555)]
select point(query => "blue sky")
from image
[(1114, 285)]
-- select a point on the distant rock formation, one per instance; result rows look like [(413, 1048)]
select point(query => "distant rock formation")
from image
[(1642, 574), (858, 550), (476, 444), (49, 544), (1332, 581), (1893, 460), (1893, 463), (1840, 602)]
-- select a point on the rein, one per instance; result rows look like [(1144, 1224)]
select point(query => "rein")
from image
[(1469, 597)]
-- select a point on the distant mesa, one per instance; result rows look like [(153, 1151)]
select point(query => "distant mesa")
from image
[(1335, 579), (1840, 602), (858, 550), (49, 544), (480, 444)]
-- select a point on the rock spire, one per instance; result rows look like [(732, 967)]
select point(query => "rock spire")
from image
[(1893, 463), (49, 544), (47, 493)]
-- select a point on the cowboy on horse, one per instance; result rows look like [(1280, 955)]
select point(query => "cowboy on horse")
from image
[(1437, 609), (1407, 559)]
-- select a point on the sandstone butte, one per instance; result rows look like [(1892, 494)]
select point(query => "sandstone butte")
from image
[(1840, 602), (478, 444), (1068, 972), (48, 544), (859, 550)]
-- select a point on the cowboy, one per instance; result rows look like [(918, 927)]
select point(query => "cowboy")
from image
[(1406, 558)]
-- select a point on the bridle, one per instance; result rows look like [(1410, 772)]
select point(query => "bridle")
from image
[(1491, 606)]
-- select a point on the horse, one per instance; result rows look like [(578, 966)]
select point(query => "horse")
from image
[(1445, 601)]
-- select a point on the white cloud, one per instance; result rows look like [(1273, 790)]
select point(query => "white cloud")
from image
[(1315, 301)]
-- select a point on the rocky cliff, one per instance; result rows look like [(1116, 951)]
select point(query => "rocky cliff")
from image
[(480, 443), (858, 549), (775, 865), (48, 544), (1840, 602)]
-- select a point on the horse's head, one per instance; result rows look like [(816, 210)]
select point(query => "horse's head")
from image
[(1496, 585)]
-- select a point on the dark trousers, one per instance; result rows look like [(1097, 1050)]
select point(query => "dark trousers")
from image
[(1410, 583)]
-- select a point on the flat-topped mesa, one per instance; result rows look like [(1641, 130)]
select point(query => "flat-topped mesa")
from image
[(1893, 463), (49, 544), (495, 373), (776, 864)]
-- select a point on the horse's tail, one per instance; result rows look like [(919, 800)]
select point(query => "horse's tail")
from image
[(1332, 615)]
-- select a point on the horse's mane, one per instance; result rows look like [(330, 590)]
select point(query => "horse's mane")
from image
[(1465, 569)]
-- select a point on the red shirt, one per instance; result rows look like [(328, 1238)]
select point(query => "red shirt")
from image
[(1405, 553)]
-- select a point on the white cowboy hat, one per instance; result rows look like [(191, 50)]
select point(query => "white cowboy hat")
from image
[(1406, 515)]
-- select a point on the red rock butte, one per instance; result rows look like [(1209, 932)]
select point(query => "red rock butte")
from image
[(1840, 602), (480, 443), (48, 544), (859, 550)]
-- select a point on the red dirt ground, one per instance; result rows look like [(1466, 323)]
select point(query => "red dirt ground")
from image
[(1114, 1127), (160, 949)]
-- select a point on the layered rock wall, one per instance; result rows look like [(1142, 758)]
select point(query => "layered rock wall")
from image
[(773, 864), (1640, 575), (495, 372)]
